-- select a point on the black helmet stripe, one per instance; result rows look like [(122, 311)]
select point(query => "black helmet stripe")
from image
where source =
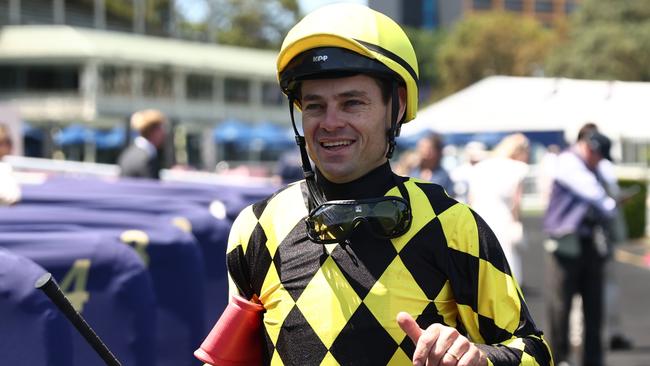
[(392, 56)]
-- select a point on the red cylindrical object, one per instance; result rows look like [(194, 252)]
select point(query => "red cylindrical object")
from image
[(236, 339)]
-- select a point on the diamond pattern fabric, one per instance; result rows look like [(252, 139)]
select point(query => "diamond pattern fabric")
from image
[(336, 304)]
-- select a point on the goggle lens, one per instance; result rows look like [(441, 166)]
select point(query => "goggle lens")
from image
[(334, 221)]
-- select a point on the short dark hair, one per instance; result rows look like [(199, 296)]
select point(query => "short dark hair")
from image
[(586, 130), (386, 87)]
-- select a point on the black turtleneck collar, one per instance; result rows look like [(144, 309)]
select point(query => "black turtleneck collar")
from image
[(374, 184)]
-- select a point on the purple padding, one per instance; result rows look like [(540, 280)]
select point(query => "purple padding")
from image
[(120, 293), (210, 232), (169, 201), (234, 196), (174, 262), (34, 331)]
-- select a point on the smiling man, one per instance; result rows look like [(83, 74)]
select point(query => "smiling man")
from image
[(356, 265), (345, 121)]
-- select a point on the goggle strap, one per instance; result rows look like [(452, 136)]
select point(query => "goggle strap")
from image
[(402, 189)]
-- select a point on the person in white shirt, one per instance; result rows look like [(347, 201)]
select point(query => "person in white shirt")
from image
[(495, 191), (9, 188)]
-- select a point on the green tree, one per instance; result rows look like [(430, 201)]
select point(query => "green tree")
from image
[(495, 43), (606, 40), (426, 43), (156, 11), (251, 23)]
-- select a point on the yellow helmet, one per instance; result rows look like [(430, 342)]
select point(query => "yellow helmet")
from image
[(347, 38)]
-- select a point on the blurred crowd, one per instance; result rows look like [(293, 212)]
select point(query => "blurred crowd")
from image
[(583, 221), (472, 180), (9, 189)]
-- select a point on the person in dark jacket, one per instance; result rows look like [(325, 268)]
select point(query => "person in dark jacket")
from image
[(577, 220), (140, 159)]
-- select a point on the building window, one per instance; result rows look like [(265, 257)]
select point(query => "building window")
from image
[(116, 80), (39, 78), (543, 6), (271, 94), (482, 4), (236, 90), (514, 5), (199, 87), (157, 83), (570, 6), (635, 152), (9, 78)]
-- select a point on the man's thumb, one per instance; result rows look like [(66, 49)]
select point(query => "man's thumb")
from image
[(409, 326)]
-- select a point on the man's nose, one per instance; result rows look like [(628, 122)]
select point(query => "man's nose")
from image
[(332, 119)]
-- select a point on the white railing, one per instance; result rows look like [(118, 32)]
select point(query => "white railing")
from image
[(25, 164)]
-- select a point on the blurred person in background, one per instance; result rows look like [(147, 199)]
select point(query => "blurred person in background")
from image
[(406, 162), (288, 168), (428, 167), (617, 235), (141, 159), (546, 172), (9, 188), (495, 189), (474, 152), (578, 219)]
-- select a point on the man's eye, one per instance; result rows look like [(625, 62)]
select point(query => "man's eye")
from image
[(311, 107), (353, 102)]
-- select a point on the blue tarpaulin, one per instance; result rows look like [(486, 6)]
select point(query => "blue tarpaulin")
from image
[(232, 131), (273, 135), (490, 139), (74, 134), (111, 139)]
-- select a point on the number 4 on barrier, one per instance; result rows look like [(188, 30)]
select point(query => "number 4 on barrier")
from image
[(74, 284)]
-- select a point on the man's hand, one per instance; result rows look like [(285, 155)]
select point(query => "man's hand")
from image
[(440, 345)]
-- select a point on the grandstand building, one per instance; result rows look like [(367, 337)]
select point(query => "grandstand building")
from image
[(77, 62)]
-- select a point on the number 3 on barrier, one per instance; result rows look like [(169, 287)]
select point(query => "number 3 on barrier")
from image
[(74, 284), (139, 240)]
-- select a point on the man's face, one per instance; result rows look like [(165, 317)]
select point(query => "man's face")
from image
[(591, 157), (157, 136), (428, 153), (345, 122), (5, 148)]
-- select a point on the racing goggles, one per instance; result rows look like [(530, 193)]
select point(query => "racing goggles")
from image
[(334, 221)]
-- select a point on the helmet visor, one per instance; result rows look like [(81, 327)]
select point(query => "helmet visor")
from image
[(330, 62)]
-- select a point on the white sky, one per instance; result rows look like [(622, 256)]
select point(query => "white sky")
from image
[(195, 9), (309, 5)]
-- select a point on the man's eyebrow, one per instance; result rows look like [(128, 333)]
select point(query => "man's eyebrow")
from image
[(311, 97), (346, 94), (353, 93)]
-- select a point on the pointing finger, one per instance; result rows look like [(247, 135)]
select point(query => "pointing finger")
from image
[(409, 326)]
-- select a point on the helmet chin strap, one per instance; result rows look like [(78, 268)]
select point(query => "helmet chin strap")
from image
[(316, 196), (393, 131)]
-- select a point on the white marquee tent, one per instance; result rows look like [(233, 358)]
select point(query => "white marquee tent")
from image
[(504, 104)]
